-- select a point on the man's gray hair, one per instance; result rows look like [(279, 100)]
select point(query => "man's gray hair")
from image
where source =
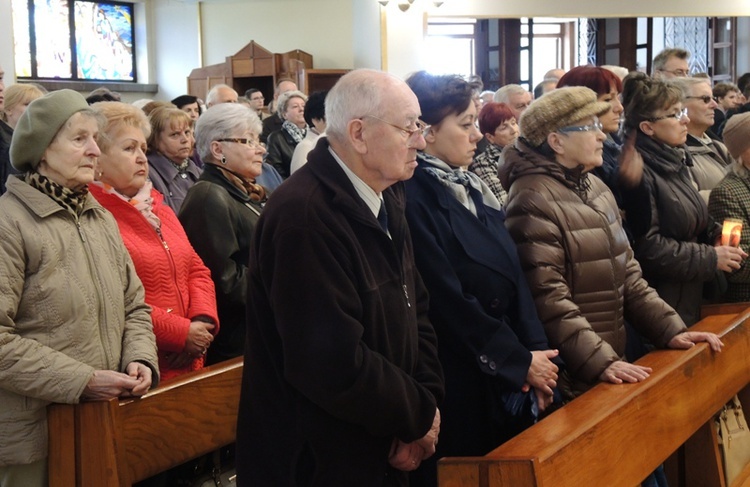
[(504, 93), (223, 121), (213, 94), (284, 101), (660, 60), (356, 94)]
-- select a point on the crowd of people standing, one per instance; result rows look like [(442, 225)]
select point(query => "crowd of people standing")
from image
[(410, 270)]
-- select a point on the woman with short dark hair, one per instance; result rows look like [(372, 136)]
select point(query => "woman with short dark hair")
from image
[(492, 345)]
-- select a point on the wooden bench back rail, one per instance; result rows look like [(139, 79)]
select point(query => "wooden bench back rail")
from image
[(615, 435), (116, 443)]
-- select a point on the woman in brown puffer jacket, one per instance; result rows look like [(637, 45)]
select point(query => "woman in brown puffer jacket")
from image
[(574, 251)]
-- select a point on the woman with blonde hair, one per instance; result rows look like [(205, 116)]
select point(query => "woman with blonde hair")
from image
[(17, 98), (281, 143), (169, 148), (178, 286)]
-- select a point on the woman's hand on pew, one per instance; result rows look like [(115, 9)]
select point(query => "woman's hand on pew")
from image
[(108, 384), (621, 371), (142, 374), (688, 339), (542, 372)]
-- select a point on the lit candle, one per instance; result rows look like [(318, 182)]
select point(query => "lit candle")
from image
[(731, 232)]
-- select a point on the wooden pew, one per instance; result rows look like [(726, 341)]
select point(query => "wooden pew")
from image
[(615, 435), (116, 443)]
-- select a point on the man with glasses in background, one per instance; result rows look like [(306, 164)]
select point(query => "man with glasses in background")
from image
[(671, 63), (257, 102), (342, 381)]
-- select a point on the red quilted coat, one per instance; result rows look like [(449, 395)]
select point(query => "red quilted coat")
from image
[(178, 285)]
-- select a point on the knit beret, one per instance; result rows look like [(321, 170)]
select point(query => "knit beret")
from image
[(559, 108), (39, 124), (737, 134)]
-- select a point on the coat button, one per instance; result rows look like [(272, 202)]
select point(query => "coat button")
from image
[(494, 303), (483, 359)]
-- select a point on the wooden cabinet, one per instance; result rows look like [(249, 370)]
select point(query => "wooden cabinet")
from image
[(253, 66), (319, 79)]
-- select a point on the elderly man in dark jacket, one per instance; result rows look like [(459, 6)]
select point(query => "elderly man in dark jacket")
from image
[(342, 381)]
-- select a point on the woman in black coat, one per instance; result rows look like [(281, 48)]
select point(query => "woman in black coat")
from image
[(220, 212), (281, 143), (675, 238), (492, 345)]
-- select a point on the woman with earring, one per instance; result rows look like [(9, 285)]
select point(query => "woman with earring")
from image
[(492, 345), (178, 286), (221, 210), (676, 242)]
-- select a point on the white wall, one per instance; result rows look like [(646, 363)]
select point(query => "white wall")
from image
[(6, 42)]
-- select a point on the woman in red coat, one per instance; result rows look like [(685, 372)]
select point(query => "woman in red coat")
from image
[(178, 285)]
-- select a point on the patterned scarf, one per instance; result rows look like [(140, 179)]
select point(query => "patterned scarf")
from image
[(296, 133), (71, 200), (459, 182), (255, 192), (142, 201), (181, 167)]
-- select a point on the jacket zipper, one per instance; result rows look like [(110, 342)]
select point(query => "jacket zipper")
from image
[(173, 267)]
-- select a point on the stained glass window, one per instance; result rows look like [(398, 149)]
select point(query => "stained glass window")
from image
[(74, 39)]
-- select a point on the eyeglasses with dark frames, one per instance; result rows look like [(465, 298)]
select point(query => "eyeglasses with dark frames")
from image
[(677, 116), (706, 99), (252, 143), (597, 125), (422, 127)]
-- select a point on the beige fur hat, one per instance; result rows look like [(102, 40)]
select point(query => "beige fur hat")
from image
[(559, 108), (40, 123), (737, 134)]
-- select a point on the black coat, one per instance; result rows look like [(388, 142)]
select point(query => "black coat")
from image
[(482, 311), (219, 220), (280, 151), (673, 231), (6, 134), (340, 356)]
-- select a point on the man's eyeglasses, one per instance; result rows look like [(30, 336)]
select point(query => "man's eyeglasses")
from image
[(252, 143), (422, 127), (706, 99), (680, 73), (677, 116), (597, 125)]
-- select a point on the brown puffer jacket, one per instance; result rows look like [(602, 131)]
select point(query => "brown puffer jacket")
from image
[(579, 265)]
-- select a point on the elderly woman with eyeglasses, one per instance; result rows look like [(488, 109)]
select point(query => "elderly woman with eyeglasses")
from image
[(578, 262), (281, 143), (492, 345), (675, 239), (220, 212), (710, 157)]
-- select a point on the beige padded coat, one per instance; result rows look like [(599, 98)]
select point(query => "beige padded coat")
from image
[(579, 265), (70, 303)]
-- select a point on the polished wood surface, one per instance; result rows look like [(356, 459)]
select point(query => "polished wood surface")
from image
[(615, 435), (116, 443)]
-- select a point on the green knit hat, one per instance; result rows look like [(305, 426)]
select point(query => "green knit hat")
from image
[(559, 108), (39, 124)]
